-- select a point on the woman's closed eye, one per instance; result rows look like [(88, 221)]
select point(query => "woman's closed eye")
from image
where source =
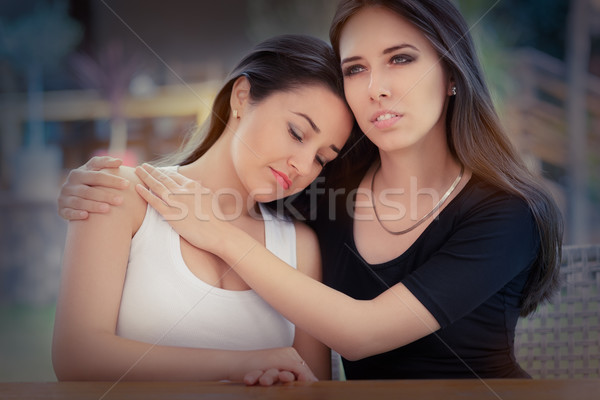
[(294, 133), (297, 136), (321, 161)]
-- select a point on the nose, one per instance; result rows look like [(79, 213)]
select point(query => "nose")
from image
[(377, 87), (302, 162)]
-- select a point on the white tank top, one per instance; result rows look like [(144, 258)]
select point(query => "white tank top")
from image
[(166, 304)]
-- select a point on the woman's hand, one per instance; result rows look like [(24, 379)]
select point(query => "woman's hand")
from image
[(184, 204), (79, 195), (271, 366), (269, 377)]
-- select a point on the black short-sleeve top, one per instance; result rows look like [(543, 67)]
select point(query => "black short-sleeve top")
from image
[(468, 268)]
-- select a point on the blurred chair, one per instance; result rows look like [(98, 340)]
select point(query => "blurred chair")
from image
[(562, 338)]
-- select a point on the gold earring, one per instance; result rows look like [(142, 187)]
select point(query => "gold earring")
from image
[(235, 114)]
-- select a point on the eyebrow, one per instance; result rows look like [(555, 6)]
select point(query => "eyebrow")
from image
[(386, 51), (399, 47), (310, 121), (316, 129)]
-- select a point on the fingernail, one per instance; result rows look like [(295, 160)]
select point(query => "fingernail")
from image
[(103, 207), (125, 184)]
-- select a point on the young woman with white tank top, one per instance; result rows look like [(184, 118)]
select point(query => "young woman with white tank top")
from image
[(138, 302), (189, 312)]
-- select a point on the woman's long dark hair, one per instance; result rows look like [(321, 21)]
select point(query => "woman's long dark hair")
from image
[(474, 133), (281, 63)]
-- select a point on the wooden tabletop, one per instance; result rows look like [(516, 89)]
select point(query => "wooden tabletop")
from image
[(496, 389)]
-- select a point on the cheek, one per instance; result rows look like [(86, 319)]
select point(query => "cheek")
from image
[(352, 93), (428, 94), (251, 143), (275, 147), (436, 87), (436, 99)]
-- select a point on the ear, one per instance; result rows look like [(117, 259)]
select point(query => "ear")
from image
[(240, 95)]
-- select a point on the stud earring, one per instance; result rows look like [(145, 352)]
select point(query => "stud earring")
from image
[(235, 114), (453, 90)]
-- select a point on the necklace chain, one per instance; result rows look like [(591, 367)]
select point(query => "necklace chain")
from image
[(423, 218)]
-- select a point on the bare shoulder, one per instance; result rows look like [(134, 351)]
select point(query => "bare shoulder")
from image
[(133, 205), (307, 251)]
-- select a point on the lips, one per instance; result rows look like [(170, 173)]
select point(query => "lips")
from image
[(282, 179), (385, 118)]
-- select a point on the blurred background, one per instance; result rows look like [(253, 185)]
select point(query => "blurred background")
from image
[(129, 78)]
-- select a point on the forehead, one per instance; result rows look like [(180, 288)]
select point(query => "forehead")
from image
[(307, 97), (377, 27), (324, 107)]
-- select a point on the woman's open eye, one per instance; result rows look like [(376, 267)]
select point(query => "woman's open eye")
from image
[(353, 70), (293, 132), (401, 59)]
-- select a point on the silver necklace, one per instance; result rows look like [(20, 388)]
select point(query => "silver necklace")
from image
[(423, 218)]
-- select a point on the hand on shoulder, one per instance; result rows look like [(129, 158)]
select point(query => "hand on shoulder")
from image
[(133, 205)]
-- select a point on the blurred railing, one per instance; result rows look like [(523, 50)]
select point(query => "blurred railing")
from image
[(537, 121), (538, 108), (562, 338), (190, 100), (172, 100)]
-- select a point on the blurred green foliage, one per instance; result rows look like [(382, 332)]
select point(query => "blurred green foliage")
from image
[(25, 343)]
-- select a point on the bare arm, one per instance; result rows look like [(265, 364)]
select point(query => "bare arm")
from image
[(85, 346), (354, 328), (316, 354)]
